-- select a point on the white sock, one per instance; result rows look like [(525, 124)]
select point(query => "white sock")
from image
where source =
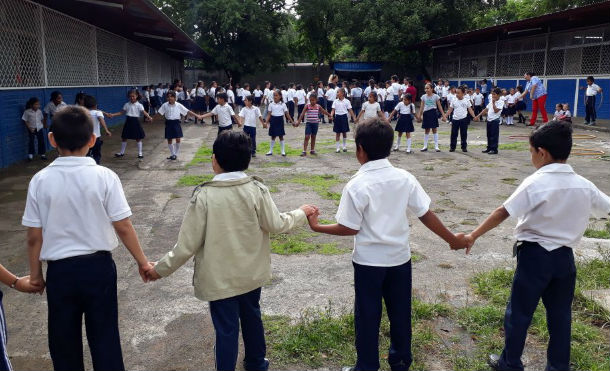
[(139, 148), (436, 140), (408, 144), (271, 145), (123, 147), (338, 145), (282, 145), (344, 142), (176, 148), (398, 141), (426, 136), (171, 148)]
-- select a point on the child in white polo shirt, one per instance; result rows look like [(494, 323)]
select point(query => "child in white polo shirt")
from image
[(73, 209), (248, 116), (224, 112), (552, 207), (373, 209)]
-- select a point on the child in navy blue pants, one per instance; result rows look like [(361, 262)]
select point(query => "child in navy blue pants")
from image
[(552, 207)]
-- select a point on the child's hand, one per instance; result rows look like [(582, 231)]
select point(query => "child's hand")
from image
[(25, 285), (470, 240), (144, 269), (34, 280), (108, 133), (309, 209), (313, 219), (152, 274)]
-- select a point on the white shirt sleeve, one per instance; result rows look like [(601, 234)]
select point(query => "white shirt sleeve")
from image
[(350, 211), (162, 109), (419, 201), (215, 109), (115, 202), (31, 215), (183, 110), (242, 112), (601, 204), (125, 107), (47, 108), (231, 112), (520, 202)]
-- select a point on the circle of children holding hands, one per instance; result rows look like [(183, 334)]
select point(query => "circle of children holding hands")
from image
[(552, 208)]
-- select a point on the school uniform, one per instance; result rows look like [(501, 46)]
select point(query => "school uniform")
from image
[(330, 95), (370, 110), (146, 100), (520, 103), (484, 92), (459, 122), (211, 99), (258, 95), (405, 121), (590, 95), (444, 97), (33, 120), (250, 116), (430, 116), (341, 107), (388, 104), (300, 96), (396, 88), (276, 122), (356, 94), (95, 152), (77, 242), (239, 100), (132, 128), (552, 207), (51, 108), (225, 114), (158, 97), (493, 125), (290, 95), (477, 101), (173, 113), (321, 101), (382, 257), (567, 116)]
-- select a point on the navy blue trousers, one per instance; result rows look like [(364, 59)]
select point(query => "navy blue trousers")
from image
[(550, 275), (590, 114), (393, 285), (5, 362), (493, 134), (227, 314), (77, 286), (460, 126), (251, 132)]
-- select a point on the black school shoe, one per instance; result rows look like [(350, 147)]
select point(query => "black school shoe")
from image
[(494, 362), (486, 151), (266, 366), (119, 155), (493, 152), (451, 149), (140, 157), (464, 150)]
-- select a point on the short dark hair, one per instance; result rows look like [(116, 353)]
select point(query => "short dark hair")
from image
[(554, 137), (31, 102), (232, 150), (375, 137), (89, 101), (250, 98), (72, 128), (171, 93), (591, 78), (55, 94), (497, 91), (222, 96)]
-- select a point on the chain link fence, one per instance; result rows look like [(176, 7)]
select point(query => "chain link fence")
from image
[(35, 52), (580, 52)]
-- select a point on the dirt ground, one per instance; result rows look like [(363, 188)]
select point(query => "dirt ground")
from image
[(164, 327)]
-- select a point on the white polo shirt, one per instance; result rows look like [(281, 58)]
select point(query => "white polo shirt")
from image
[(477, 98), (460, 108), (396, 88), (491, 115), (553, 206), (375, 202), (224, 113), (172, 111), (133, 109), (331, 94), (592, 90), (342, 106), (405, 109), (370, 109), (51, 108), (75, 201), (33, 119), (300, 96), (277, 109), (250, 115), (96, 116)]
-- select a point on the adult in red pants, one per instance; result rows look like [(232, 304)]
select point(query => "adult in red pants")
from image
[(537, 92)]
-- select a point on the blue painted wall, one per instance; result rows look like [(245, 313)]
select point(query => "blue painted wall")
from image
[(13, 135), (470, 83), (506, 84), (603, 110), (559, 91)]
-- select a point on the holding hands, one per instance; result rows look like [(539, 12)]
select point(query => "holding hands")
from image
[(25, 284)]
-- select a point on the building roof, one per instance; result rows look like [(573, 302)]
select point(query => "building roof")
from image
[(137, 20), (589, 15)]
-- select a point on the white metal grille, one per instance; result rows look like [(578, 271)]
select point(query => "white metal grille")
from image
[(21, 62), (70, 59), (42, 47), (112, 66)]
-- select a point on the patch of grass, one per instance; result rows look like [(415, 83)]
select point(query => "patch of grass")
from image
[(514, 146), (415, 257), (511, 181), (193, 180), (299, 243), (469, 222), (599, 233), (277, 164), (203, 155), (321, 184), (273, 188), (429, 168), (277, 150), (324, 338), (485, 322)]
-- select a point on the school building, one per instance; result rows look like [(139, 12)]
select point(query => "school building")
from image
[(99, 47), (562, 48)]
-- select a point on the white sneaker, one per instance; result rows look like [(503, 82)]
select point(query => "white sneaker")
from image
[(395, 148), (30, 157), (408, 150), (270, 153), (338, 150)]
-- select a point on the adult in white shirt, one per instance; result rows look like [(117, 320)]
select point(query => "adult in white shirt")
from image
[(590, 96)]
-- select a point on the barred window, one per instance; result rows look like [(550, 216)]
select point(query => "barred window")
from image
[(136, 63), (111, 59), (21, 62)]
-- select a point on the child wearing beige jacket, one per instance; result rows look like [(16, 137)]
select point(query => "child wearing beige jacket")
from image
[(226, 228)]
